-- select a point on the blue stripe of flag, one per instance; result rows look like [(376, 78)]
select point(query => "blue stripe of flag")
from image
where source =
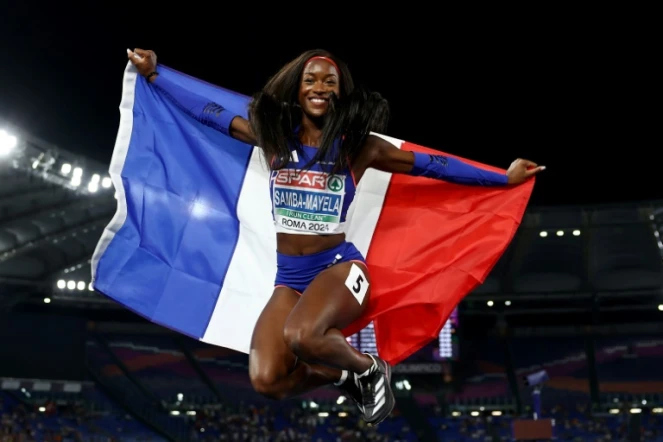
[(182, 182)]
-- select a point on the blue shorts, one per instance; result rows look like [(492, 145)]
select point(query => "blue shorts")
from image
[(297, 272)]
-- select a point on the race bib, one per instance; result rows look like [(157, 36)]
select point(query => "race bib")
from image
[(308, 201)]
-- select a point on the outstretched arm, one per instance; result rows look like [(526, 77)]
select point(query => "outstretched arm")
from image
[(381, 155), (201, 109)]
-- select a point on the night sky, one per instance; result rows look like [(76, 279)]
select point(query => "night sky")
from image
[(572, 94)]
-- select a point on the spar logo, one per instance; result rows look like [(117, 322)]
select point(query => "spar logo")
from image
[(309, 180), (335, 183)]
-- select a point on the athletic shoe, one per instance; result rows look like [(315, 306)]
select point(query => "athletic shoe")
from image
[(377, 397), (352, 389)]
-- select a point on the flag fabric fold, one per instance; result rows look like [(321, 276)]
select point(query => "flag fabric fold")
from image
[(192, 245)]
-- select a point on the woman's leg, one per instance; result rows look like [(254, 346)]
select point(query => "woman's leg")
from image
[(327, 306), (335, 299), (274, 370)]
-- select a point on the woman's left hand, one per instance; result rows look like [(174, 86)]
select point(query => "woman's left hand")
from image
[(522, 170)]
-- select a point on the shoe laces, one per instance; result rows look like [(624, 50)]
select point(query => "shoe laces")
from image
[(366, 383)]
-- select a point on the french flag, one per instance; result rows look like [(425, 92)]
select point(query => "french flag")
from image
[(192, 245)]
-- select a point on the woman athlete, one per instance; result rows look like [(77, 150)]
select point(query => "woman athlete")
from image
[(314, 128)]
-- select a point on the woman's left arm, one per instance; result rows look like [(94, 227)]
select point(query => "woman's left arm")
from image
[(382, 155)]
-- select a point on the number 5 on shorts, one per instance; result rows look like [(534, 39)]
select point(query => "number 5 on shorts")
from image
[(357, 283)]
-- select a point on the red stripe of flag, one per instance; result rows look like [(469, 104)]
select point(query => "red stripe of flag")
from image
[(433, 244)]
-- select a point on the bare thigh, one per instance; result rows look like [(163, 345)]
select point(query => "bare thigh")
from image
[(334, 300), (270, 358)]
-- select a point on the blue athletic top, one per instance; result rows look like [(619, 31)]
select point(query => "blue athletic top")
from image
[(311, 201)]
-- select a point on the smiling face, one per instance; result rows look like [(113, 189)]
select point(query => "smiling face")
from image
[(320, 79)]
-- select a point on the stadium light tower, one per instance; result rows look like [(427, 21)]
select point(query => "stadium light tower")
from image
[(51, 163), (7, 143)]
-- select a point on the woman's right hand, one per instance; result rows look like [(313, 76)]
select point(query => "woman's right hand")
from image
[(145, 61)]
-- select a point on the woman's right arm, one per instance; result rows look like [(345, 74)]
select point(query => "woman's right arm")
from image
[(201, 109)]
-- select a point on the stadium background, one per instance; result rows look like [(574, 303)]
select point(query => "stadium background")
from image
[(578, 293)]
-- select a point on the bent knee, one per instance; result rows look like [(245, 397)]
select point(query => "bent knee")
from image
[(268, 374), (268, 384)]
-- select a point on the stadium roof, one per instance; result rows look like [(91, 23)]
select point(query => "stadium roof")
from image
[(564, 260), (53, 207)]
